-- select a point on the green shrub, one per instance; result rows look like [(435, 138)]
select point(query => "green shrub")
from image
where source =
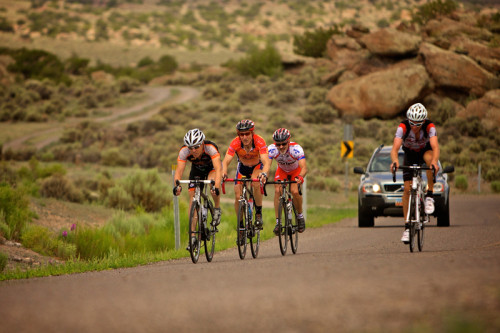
[(59, 187), (260, 62), (461, 182), (313, 43), (495, 186), (114, 157), (4, 260), (14, 211), (247, 93), (38, 64), (433, 9), (318, 114), (118, 198), (147, 190)]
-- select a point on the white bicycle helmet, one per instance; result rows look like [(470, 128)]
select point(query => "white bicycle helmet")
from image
[(416, 112), (194, 137)]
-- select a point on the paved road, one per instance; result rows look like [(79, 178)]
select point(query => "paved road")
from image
[(344, 279)]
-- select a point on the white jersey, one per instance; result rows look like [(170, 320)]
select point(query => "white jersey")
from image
[(288, 161)]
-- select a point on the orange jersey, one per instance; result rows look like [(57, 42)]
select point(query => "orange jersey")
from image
[(251, 157)]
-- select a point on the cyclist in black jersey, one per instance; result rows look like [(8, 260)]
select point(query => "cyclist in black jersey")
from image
[(206, 164), (418, 136)]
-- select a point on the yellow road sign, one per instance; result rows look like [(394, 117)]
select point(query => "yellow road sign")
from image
[(347, 149)]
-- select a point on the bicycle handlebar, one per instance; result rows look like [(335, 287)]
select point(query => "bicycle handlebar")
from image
[(413, 167), (284, 182), (198, 181), (243, 180)]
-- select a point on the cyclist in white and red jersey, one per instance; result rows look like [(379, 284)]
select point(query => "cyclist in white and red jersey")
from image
[(418, 136), (206, 164), (291, 165), (253, 162)]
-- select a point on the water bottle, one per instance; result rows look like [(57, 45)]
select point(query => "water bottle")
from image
[(250, 206), (203, 213), (289, 210)]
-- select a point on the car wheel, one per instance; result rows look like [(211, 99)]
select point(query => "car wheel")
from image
[(365, 218), (443, 218)]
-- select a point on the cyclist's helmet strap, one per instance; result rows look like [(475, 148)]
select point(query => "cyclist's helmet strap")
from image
[(194, 137), (281, 135)]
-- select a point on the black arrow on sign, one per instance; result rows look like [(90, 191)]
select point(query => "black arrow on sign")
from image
[(347, 147)]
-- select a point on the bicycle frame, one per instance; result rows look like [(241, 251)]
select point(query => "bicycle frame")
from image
[(246, 230), (416, 216), (201, 208), (288, 227)]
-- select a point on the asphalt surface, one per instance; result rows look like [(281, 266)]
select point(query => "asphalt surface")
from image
[(343, 279)]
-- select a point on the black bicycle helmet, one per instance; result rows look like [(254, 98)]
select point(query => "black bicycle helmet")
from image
[(281, 135), (245, 125)]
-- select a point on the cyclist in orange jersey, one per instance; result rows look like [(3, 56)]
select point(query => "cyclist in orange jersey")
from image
[(253, 162)]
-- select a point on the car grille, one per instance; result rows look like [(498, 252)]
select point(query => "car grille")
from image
[(393, 188)]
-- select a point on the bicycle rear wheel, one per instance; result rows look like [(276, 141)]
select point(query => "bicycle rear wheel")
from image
[(209, 233), (413, 225), (242, 231), (194, 232), (282, 223), (294, 232)]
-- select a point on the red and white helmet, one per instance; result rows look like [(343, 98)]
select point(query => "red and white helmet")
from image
[(416, 112), (281, 135)]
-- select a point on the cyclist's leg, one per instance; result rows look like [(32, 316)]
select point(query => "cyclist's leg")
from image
[(277, 194), (256, 186), (428, 159), (211, 176)]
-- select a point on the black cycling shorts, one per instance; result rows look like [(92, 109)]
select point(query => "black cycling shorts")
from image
[(413, 157), (202, 175), (246, 171)]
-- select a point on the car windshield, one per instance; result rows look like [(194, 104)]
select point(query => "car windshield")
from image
[(381, 162)]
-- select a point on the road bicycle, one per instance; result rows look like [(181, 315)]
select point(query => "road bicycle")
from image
[(247, 231), (201, 216), (287, 217), (416, 217)]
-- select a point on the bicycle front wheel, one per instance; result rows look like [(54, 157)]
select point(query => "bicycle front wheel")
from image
[(282, 223), (294, 232), (241, 230), (420, 233), (254, 236), (209, 233), (413, 224), (194, 232)]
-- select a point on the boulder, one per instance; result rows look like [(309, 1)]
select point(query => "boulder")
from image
[(391, 43), (486, 108), (345, 52), (448, 28), (383, 94), (449, 69), (486, 56)]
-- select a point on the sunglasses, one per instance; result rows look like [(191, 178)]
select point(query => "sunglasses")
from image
[(283, 144), (415, 124), (245, 133), (194, 147)]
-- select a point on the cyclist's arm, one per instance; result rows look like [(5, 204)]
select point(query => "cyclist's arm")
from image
[(303, 167), (395, 149), (181, 165), (264, 157), (435, 151), (218, 171), (225, 163)]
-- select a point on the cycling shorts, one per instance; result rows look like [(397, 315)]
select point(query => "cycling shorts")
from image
[(413, 157), (247, 171), (202, 175), (282, 175)]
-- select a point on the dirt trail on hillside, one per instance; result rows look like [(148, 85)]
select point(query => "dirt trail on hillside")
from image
[(157, 98)]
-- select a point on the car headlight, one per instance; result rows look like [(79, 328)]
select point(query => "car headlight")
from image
[(371, 188), (438, 187)]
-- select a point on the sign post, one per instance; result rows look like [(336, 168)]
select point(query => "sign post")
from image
[(177, 225), (347, 152)]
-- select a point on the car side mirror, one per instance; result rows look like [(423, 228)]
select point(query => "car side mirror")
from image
[(449, 169), (359, 170)]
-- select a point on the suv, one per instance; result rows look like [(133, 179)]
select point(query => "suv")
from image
[(378, 195)]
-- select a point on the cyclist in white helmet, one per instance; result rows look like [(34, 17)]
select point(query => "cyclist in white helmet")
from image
[(206, 164), (418, 136)]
